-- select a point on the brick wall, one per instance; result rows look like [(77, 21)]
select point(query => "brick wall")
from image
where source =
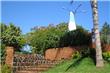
[(59, 53), (106, 47), (9, 56)]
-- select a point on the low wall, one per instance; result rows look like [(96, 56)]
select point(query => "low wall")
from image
[(59, 53), (106, 47)]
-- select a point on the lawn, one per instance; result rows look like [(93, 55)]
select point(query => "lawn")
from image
[(85, 65)]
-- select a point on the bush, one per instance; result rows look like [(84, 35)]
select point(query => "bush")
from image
[(106, 56), (76, 55), (2, 54), (78, 37), (85, 51), (5, 69), (88, 52)]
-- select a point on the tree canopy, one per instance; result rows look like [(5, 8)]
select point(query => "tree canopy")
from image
[(46, 37), (11, 36)]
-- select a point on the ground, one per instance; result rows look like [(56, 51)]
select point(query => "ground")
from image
[(86, 65)]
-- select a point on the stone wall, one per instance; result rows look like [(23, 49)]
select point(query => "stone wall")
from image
[(59, 53)]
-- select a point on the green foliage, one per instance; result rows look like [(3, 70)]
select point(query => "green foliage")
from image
[(78, 37), (43, 38), (2, 54), (88, 52), (23, 52), (105, 33), (5, 69), (85, 52), (46, 37), (76, 55), (11, 36), (106, 56)]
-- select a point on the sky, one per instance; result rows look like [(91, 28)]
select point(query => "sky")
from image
[(28, 14)]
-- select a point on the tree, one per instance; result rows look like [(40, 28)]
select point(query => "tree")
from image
[(99, 59), (44, 38), (105, 33), (12, 39), (11, 36)]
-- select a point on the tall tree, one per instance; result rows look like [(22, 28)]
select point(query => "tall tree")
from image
[(99, 59)]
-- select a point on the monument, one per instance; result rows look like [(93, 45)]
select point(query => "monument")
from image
[(71, 24)]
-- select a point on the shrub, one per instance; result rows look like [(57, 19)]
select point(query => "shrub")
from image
[(87, 52), (76, 55), (106, 56), (5, 69), (2, 54), (78, 37)]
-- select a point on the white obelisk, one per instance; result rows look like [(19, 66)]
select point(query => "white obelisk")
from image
[(71, 24)]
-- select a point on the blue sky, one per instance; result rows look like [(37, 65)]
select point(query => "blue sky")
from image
[(27, 14)]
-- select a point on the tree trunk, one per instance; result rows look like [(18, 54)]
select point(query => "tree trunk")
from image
[(99, 59), (9, 56)]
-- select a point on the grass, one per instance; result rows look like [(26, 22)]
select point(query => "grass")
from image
[(85, 65), (5, 69)]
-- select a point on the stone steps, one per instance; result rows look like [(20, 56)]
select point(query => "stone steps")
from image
[(32, 69), (31, 63), (27, 72)]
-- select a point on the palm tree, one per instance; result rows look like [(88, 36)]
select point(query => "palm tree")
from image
[(99, 59)]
